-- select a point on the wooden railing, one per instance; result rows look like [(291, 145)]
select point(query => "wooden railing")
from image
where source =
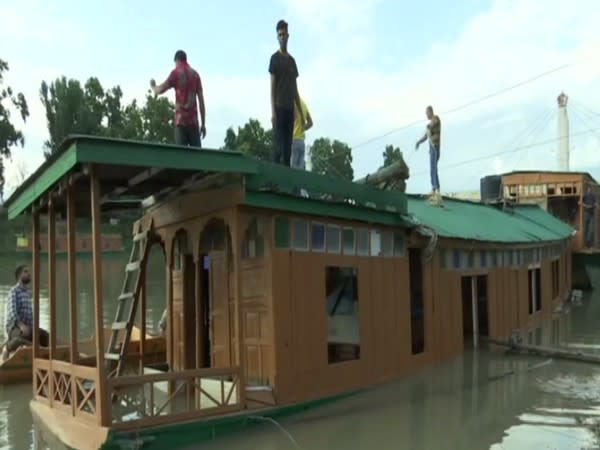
[(67, 387), (162, 398)]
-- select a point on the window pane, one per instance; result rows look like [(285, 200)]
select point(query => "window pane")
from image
[(375, 243), (318, 237), (282, 232), (398, 244), (349, 244), (341, 290), (387, 243), (362, 242), (333, 239), (300, 234)]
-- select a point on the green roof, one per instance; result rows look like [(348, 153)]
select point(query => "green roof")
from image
[(462, 219), (130, 171)]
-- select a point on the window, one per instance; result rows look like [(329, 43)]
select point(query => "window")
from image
[(535, 287), (333, 239), (254, 243), (343, 337), (300, 234), (362, 242), (398, 244), (417, 312), (387, 243), (555, 279), (375, 243), (180, 250), (318, 237), (282, 232), (349, 241)]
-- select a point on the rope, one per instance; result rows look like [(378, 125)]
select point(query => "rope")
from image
[(278, 425)]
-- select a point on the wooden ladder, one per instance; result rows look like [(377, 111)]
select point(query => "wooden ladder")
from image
[(127, 305)]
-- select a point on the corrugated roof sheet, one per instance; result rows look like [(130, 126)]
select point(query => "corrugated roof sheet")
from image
[(461, 219)]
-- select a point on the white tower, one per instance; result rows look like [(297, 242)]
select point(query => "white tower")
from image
[(563, 133)]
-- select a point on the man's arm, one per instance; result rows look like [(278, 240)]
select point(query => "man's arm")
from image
[(273, 117), (11, 318), (200, 94), (420, 141), (309, 121), (299, 106), (164, 86)]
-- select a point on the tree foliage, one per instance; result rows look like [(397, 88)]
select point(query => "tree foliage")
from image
[(391, 155), (332, 158), (9, 135), (251, 139), (90, 109)]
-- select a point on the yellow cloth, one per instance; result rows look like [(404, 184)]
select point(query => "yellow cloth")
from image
[(298, 128)]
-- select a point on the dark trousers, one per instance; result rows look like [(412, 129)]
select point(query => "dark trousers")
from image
[(16, 339), (588, 229), (282, 136), (188, 135)]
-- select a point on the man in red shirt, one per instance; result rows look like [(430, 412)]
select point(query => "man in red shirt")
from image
[(188, 85)]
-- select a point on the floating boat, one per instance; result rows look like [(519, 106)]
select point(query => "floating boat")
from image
[(17, 368)]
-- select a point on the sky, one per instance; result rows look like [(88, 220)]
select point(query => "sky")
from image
[(368, 69)]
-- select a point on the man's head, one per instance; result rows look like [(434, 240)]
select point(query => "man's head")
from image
[(180, 56), (22, 274), (429, 112), (282, 34)]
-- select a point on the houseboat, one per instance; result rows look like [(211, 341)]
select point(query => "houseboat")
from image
[(275, 301), (560, 193)]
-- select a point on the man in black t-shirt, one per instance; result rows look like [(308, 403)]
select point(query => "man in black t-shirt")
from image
[(284, 93)]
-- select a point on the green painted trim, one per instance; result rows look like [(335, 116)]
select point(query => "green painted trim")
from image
[(45, 179), (320, 208), (126, 153), (194, 432), (291, 180)]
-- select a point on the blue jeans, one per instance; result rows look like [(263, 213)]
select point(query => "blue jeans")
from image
[(434, 157), (588, 229), (188, 135), (297, 160)]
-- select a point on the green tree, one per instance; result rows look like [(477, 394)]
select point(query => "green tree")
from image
[(251, 139), (391, 155), (9, 135), (73, 109), (332, 158)]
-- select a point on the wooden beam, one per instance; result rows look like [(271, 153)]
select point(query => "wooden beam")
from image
[(237, 239), (52, 276), (101, 404), (72, 280), (35, 244), (143, 316)]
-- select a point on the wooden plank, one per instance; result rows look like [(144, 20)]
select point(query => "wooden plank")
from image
[(72, 281), (52, 276), (102, 412), (238, 238), (133, 380), (143, 319), (36, 293)]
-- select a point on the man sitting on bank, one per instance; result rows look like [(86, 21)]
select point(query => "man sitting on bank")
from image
[(18, 315)]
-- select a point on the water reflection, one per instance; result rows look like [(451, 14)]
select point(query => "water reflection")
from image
[(484, 400)]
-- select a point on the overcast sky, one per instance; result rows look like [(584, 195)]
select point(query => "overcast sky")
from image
[(367, 67)]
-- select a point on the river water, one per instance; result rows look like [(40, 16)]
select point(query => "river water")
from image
[(483, 400)]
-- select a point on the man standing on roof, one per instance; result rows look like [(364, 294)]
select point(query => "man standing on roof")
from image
[(433, 133), (188, 85), (298, 145), (18, 315), (589, 204), (284, 94)]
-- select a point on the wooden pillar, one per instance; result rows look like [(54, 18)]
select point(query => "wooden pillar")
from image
[(142, 320), (35, 250), (238, 237), (101, 395), (72, 280), (52, 276), (199, 317), (474, 301)]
